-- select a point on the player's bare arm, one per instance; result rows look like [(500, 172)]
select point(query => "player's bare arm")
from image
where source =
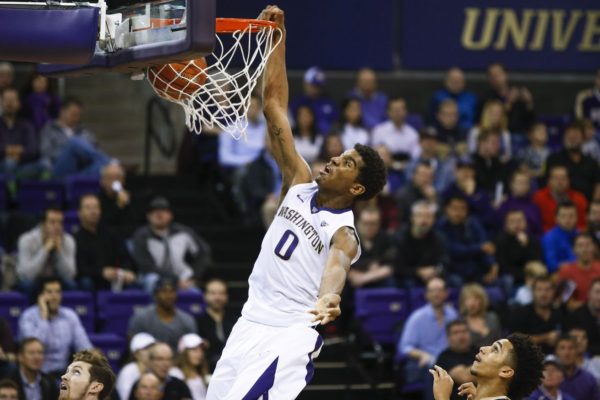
[(275, 98), (343, 250)]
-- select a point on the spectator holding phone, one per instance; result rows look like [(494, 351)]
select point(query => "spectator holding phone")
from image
[(58, 328)]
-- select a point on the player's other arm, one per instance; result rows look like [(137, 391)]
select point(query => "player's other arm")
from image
[(275, 99), (343, 250)]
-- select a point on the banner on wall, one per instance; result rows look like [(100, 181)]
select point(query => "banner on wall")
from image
[(529, 35), (332, 34)]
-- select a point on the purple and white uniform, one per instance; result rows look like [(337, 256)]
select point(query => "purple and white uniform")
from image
[(270, 350)]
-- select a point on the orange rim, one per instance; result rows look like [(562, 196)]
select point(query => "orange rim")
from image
[(224, 25), (230, 25)]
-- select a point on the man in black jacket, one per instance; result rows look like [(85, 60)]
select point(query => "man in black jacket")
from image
[(458, 357), (540, 319), (588, 317), (515, 247), (419, 188), (490, 169), (31, 381), (102, 259), (216, 323), (518, 101), (420, 251), (116, 201), (373, 269), (583, 170)]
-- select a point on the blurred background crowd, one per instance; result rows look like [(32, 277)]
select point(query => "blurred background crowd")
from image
[(489, 224)]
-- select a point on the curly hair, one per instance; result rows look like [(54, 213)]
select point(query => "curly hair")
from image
[(527, 361), (373, 174), (100, 370)]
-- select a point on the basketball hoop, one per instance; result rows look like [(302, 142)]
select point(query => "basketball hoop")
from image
[(211, 92)]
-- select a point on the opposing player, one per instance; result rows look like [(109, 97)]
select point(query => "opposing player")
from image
[(88, 377), (304, 258), (509, 367)]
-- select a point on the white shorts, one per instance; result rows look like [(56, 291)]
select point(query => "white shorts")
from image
[(268, 361)]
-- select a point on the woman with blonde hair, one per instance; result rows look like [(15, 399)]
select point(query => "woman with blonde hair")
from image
[(192, 365), (494, 117), (484, 325)]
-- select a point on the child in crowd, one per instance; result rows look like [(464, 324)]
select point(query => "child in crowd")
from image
[(533, 270), (534, 156)]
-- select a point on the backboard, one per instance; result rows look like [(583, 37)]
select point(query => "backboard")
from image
[(79, 38)]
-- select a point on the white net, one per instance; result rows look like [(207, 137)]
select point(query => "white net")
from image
[(213, 93)]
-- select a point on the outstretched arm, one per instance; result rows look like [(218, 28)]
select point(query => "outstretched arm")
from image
[(275, 97), (343, 249)]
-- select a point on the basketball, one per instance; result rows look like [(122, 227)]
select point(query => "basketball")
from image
[(178, 81)]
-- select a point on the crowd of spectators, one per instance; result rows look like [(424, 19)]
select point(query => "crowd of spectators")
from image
[(112, 247), (41, 135), (476, 199)]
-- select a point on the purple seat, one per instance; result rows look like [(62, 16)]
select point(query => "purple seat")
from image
[(12, 304), (113, 347), (83, 304), (417, 297), (115, 309), (191, 302), (380, 311), (495, 294), (78, 186), (71, 222), (117, 303), (36, 196), (415, 120)]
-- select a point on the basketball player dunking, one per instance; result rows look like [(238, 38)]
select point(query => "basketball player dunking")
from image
[(509, 367), (304, 258)]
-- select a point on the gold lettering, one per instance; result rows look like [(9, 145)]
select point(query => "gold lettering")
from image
[(537, 42), (510, 26), (591, 30), (561, 37), (472, 15)]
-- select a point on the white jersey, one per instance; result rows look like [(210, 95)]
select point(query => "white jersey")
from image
[(285, 281)]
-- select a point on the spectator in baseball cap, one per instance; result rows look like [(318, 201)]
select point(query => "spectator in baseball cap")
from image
[(130, 373), (554, 375), (324, 108), (164, 247), (162, 319), (192, 364)]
